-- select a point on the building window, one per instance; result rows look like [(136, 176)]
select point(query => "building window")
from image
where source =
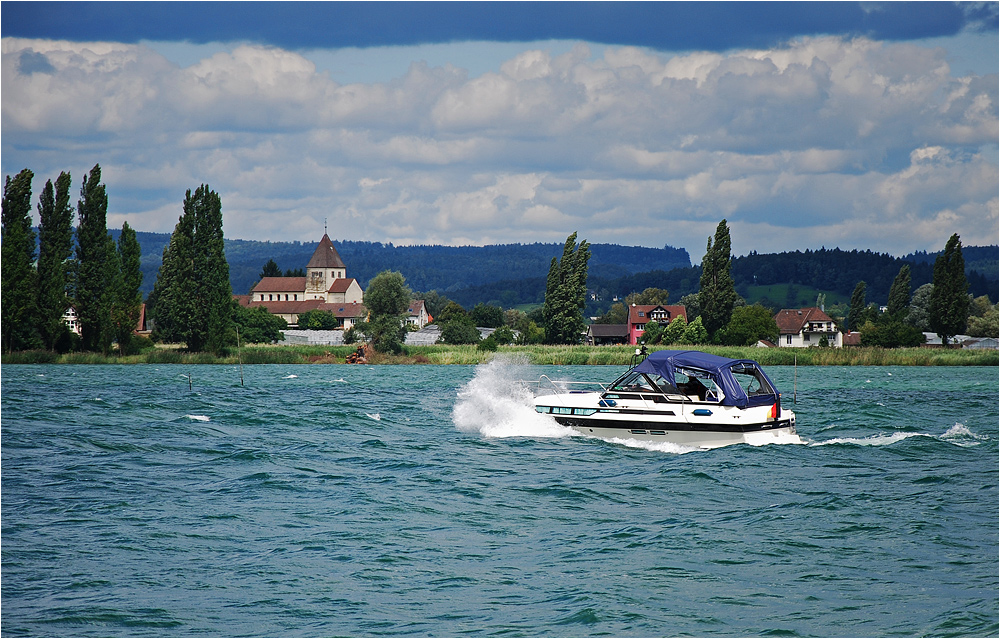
[(262, 297), (805, 337), (270, 297), (295, 298), (788, 339), (642, 314)]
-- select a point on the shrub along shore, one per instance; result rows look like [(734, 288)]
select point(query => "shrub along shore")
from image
[(535, 354)]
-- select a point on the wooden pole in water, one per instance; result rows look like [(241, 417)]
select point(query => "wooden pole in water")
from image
[(239, 355), (795, 383), (189, 381)]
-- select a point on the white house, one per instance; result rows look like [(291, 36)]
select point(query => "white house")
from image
[(806, 327)]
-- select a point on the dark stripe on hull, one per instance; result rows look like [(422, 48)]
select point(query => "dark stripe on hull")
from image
[(626, 426)]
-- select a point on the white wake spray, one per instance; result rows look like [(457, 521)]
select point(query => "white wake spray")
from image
[(496, 404)]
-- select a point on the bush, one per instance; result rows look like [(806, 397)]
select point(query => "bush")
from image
[(138, 344), (459, 332), (503, 335), (317, 320), (351, 336), (488, 344)]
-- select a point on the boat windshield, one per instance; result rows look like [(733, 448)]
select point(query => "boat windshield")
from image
[(752, 381), (640, 382)]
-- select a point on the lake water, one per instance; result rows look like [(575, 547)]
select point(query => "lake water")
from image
[(432, 501)]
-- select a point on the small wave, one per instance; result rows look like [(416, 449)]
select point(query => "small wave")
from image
[(289, 377), (338, 381), (960, 435), (659, 447), (874, 440), (376, 416), (495, 404), (198, 418)]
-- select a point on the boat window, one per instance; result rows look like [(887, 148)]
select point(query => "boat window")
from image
[(696, 383), (752, 381)]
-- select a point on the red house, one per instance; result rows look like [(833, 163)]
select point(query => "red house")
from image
[(640, 315)]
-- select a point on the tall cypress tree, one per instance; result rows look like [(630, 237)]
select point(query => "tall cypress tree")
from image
[(95, 276), (55, 235), (949, 303), (127, 299), (566, 293), (717, 295), (17, 255)]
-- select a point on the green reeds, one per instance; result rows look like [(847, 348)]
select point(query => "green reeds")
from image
[(469, 355)]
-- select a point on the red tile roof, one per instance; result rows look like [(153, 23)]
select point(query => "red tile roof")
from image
[(673, 311), (351, 310), (280, 284), (341, 284)]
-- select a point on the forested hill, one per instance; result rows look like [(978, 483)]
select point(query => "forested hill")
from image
[(511, 274), (442, 268)]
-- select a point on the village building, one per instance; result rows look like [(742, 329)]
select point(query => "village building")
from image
[(325, 287), (641, 314), (800, 327), (607, 334)]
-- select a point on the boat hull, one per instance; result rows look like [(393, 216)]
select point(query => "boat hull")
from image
[(702, 436), (690, 424)]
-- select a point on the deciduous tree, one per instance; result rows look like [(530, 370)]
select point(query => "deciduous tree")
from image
[(127, 298), (949, 303), (387, 298), (95, 264), (566, 293), (856, 313), (17, 256), (717, 296), (55, 240), (899, 295)]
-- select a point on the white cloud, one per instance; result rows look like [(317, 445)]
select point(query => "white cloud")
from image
[(822, 142)]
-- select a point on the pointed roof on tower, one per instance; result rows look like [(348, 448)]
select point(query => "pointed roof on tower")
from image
[(325, 255)]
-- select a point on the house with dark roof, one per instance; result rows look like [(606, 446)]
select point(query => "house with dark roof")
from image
[(602, 334), (325, 287), (641, 314), (806, 327)]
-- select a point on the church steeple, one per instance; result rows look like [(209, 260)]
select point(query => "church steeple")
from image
[(324, 267)]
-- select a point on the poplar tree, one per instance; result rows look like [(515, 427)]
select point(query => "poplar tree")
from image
[(949, 303), (899, 295), (856, 314), (55, 239), (717, 295), (566, 293), (193, 296), (127, 298), (95, 276), (17, 255)]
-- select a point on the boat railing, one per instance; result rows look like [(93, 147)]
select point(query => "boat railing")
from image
[(547, 384)]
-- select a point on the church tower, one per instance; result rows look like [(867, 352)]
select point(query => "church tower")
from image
[(323, 268)]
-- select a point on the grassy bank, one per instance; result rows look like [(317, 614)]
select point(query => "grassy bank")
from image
[(550, 355)]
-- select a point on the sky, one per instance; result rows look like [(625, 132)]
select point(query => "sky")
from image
[(858, 125)]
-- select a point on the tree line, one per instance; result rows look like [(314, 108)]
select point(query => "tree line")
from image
[(101, 282)]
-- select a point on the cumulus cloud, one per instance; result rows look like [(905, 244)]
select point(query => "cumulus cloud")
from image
[(824, 141)]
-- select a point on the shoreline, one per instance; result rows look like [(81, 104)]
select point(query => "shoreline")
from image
[(443, 354)]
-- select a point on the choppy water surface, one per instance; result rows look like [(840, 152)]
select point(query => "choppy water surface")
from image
[(432, 501)]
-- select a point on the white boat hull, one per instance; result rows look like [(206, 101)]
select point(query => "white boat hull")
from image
[(689, 424)]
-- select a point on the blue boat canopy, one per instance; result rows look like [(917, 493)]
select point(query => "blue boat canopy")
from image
[(756, 389)]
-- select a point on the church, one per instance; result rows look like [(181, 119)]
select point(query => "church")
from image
[(325, 287)]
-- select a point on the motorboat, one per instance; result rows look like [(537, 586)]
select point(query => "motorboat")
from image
[(689, 398)]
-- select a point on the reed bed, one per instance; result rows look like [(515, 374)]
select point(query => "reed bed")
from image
[(468, 355)]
